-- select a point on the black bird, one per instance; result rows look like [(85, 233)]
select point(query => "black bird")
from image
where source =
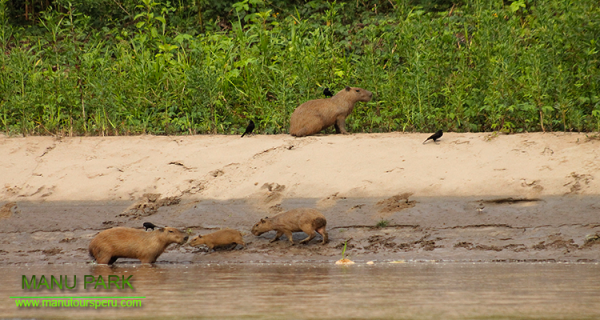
[(149, 225), (435, 136), (327, 93), (249, 128)]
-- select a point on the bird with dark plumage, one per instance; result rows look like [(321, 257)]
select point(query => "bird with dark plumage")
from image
[(249, 128), (149, 225), (327, 93), (435, 136)]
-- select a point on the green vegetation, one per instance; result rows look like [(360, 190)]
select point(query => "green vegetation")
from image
[(344, 250), (121, 67), (382, 223)]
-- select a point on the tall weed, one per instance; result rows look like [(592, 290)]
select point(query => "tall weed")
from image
[(480, 66)]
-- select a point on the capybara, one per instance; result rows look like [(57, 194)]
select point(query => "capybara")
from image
[(219, 238), (316, 115), (304, 219), (121, 242)]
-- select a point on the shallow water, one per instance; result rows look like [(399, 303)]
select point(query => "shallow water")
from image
[(419, 290)]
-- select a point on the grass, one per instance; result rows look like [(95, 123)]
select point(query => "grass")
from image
[(344, 251), (382, 223), (480, 66)]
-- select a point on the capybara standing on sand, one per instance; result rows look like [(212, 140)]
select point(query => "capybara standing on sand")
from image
[(296, 220), (219, 238), (121, 242), (316, 115)]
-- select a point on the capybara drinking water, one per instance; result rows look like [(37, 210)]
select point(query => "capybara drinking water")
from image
[(219, 238), (296, 220), (121, 242), (316, 115)]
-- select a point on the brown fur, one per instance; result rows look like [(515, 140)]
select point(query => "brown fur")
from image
[(297, 220), (121, 242), (218, 238), (316, 115)]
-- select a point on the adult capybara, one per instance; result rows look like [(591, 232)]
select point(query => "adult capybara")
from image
[(296, 220), (121, 242), (316, 115), (219, 238)]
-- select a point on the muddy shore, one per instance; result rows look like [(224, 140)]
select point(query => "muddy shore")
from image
[(471, 197)]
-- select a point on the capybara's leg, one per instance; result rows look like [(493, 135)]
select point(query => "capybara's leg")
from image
[(150, 259), (312, 124), (102, 259), (340, 123), (311, 235), (290, 236), (323, 233), (299, 133), (337, 128), (241, 242), (279, 234)]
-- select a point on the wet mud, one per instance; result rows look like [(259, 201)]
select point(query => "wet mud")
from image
[(397, 228)]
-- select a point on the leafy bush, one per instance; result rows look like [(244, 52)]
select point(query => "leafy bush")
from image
[(186, 67)]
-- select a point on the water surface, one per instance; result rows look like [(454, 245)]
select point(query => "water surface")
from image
[(324, 291)]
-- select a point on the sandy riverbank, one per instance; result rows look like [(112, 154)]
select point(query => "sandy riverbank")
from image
[(478, 196)]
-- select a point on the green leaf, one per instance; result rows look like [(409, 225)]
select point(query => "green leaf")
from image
[(516, 5), (182, 36)]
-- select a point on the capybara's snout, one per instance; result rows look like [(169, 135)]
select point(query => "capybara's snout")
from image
[(195, 241), (260, 228), (369, 95), (183, 240), (177, 236)]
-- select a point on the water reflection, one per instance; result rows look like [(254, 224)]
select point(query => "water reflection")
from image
[(325, 291)]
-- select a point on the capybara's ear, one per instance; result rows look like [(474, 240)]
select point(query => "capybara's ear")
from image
[(347, 88), (262, 220), (162, 229)]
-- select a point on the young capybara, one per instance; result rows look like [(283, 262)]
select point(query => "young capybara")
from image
[(219, 238), (121, 242), (296, 220), (316, 115)]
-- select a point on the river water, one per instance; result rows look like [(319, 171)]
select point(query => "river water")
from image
[(413, 290)]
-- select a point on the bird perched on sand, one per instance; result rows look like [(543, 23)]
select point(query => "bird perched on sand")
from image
[(435, 136), (249, 128), (327, 93), (149, 225)]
